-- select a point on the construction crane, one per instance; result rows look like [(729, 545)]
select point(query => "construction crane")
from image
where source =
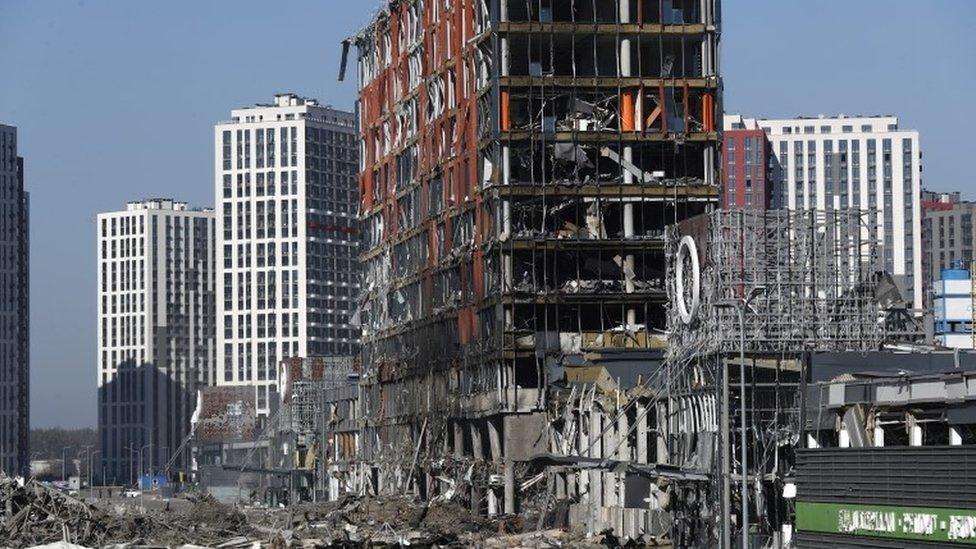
[(186, 441), (179, 450)]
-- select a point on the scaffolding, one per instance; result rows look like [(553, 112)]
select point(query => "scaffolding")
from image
[(306, 384), (752, 293), (811, 277)]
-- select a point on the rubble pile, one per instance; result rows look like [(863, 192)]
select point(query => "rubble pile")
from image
[(403, 521), (377, 522), (34, 514)]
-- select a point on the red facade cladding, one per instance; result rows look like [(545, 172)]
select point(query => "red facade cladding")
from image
[(447, 143), (937, 206), (745, 170)]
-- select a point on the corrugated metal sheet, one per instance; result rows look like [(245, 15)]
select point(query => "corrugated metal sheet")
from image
[(939, 476)]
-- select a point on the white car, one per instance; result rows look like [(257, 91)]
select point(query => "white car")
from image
[(131, 494)]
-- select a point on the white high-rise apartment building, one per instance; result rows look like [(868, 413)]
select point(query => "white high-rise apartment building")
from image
[(853, 162), (14, 308), (156, 340), (287, 196)]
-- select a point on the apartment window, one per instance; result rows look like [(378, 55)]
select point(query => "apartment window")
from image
[(226, 149)]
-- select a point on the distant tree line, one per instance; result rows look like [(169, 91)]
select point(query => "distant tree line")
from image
[(48, 443)]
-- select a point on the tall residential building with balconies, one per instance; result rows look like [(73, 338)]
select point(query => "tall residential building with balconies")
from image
[(14, 308), (866, 162), (287, 284), (156, 341)]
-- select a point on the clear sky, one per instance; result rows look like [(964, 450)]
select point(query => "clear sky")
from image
[(115, 100)]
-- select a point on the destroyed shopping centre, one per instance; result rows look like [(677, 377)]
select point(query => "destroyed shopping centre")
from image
[(560, 330)]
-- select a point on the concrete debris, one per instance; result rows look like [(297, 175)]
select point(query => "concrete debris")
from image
[(376, 522), (35, 515)]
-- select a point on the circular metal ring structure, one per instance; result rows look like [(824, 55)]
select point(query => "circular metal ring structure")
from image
[(687, 251)]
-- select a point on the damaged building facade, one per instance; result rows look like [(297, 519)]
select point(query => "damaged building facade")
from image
[(316, 431), (306, 451), (754, 296), (224, 433), (520, 160), (889, 451)]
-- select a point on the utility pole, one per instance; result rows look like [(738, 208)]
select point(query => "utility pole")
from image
[(740, 306), (87, 448), (143, 449), (742, 423), (132, 464), (64, 461), (91, 477), (726, 448)]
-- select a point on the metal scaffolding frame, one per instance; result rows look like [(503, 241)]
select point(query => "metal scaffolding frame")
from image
[(816, 273), (806, 281)]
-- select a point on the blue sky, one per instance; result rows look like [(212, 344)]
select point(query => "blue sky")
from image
[(115, 100)]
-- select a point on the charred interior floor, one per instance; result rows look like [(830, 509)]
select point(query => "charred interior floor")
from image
[(521, 159)]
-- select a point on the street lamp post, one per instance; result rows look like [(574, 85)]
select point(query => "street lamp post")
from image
[(87, 452), (740, 306), (132, 463), (143, 449), (64, 461), (91, 477)]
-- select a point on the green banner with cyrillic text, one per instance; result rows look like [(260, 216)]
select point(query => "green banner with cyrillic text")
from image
[(888, 521)]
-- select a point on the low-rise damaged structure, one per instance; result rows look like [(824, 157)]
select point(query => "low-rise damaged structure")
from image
[(520, 162), (306, 451), (225, 436), (889, 451), (316, 432), (753, 294)]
